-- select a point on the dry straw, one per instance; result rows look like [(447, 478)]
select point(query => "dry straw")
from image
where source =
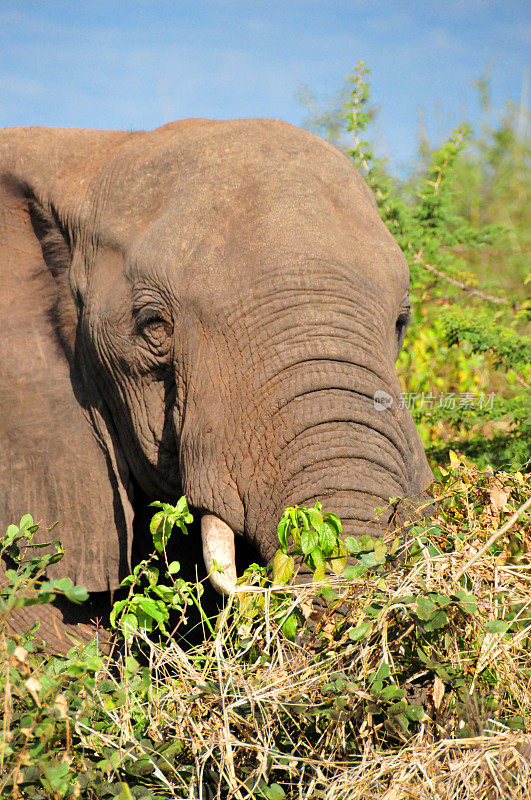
[(251, 714)]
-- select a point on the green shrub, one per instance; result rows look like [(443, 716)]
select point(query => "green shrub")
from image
[(426, 639)]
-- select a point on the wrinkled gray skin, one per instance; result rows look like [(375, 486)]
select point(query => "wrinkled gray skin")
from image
[(204, 309)]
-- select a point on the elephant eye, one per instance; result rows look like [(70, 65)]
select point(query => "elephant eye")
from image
[(401, 327), (155, 330)]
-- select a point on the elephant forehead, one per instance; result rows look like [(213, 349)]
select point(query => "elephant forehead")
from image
[(239, 231), (229, 246), (207, 205), (190, 162)]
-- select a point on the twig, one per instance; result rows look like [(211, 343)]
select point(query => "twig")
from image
[(496, 535), (417, 258), (519, 379)]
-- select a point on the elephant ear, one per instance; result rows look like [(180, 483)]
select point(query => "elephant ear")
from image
[(53, 463)]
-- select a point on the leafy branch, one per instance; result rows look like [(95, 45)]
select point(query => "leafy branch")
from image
[(450, 346)]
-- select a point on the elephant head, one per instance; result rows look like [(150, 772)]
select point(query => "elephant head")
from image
[(207, 309)]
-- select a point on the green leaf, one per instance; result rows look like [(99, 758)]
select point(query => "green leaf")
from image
[(468, 602), (329, 593), (497, 626), (415, 713), (380, 550), (442, 600), (334, 522), (392, 693), (368, 559), (352, 545), (406, 599), (316, 518), (93, 663), (131, 665), (12, 531), (352, 572), (403, 722), (397, 707), (283, 568), (156, 526), (181, 509), (129, 620), (54, 558), (359, 632), (117, 607), (374, 609), (437, 620), (165, 593), (26, 522), (275, 792), (282, 533), (75, 668), (338, 558), (309, 541), (289, 626), (327, 539), (304, 517), (153, 608), (76, 594), (366, 543), (152, 575), (425, 607), (317, 563), (296, 537), (173, 567), (58, 777), (394, 546), (383, 672)]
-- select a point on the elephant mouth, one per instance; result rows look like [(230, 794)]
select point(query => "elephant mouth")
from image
[(330, 446), (219, 552)]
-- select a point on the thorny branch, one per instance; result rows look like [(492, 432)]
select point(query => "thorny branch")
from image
[(417, 258)]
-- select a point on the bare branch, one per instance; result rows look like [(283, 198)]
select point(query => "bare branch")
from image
[(417, 258)]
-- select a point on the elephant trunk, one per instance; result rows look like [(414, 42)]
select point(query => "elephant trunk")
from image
[(345, 453), (294, 432)]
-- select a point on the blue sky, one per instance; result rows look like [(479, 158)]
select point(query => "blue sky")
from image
[(133, 64)]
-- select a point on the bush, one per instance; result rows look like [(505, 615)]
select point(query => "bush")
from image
[(419, 663)]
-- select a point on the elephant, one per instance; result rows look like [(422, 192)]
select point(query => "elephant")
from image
[(211, 308)]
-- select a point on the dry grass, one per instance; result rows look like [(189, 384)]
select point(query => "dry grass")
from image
[(251, 714), (264, 710), (481, 768)]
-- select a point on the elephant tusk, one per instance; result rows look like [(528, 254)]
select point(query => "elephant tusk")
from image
[(218, 549)]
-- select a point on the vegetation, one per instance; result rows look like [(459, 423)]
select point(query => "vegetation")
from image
[(414, 672), (404, 674)]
